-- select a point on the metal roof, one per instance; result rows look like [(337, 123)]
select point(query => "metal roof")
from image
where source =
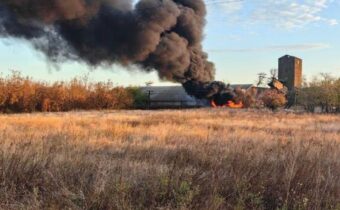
[(177, 93), (243, 86), (171, 93), (289, 56)]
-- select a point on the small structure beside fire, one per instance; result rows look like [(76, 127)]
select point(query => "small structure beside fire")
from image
[(278, 85)]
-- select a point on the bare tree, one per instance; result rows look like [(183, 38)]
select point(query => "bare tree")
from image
[(273, 73), (261, 79), (323, 91)]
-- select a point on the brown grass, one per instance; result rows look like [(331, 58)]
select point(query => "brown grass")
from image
[(193, 159)]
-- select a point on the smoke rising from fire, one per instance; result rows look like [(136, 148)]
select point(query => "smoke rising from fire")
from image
[(161, 35)]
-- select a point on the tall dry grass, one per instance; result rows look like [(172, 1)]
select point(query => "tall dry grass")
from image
[(193, 159)]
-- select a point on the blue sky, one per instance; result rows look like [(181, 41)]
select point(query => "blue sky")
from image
[(242, 38)]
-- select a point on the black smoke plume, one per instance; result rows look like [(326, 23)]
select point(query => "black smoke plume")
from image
[(161, 35)]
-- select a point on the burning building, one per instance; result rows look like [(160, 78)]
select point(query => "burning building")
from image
[(177, 97), (160, 97)]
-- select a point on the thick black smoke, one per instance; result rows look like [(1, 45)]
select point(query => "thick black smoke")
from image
[(161, 35)]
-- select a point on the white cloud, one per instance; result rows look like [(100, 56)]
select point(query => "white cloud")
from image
[(286, 14), (332, 22), (295, 47), (232, 7)]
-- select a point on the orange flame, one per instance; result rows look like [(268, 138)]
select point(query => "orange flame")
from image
[(229, 104), (234, 105)]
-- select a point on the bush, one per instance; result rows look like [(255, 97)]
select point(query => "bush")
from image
[(140, 98), (22, 94), (273, 99)]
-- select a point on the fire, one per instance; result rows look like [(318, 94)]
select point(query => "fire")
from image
[(234, 105), (229, 104)]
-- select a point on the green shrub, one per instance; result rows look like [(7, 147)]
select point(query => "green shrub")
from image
[(140, 98)]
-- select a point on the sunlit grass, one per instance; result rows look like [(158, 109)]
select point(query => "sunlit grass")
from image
[(192, 159)]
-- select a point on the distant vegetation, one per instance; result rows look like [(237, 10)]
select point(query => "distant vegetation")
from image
[(273, 99), (323, 92), (188, 159), (19, 94), (22, 94)]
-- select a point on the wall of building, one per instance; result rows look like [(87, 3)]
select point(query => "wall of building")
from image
[(290, 71)]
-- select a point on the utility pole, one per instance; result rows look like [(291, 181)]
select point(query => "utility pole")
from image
[(149, 98)]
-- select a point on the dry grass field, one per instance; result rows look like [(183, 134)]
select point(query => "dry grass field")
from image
[(190, 159)]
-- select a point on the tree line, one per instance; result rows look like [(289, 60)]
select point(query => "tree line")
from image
[(22, 94), (322, 93)]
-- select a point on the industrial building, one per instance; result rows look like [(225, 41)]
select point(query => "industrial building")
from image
[(176, 97), (290, 72)]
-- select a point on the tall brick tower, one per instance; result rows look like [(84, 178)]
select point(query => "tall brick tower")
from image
[(290, 71)]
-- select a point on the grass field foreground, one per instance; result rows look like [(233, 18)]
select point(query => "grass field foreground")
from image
[(190, 159)]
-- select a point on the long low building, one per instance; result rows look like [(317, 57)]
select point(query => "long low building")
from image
[(176, 97)]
